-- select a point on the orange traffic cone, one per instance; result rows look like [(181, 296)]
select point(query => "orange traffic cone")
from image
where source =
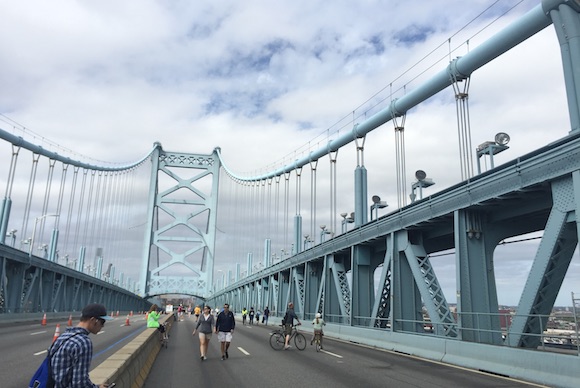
[(43, 322), (56, 332), (69, 320), (127, 323)]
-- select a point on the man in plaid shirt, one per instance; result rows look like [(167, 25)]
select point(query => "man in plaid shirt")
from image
[(71, 362)]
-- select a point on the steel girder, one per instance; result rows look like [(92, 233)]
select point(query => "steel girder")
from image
[(337, 294), (552, 260), (382, 306), (31, 284), (298, 277), (477, 295), (428, 285)]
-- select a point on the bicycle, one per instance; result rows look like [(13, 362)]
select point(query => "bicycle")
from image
[(278, 339), (318, 340), (164, 337)]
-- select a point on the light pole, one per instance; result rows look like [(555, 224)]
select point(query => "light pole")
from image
[(346, 219), (307, 240), (323, 232), (12, 235), (377, 204), (34, 230)]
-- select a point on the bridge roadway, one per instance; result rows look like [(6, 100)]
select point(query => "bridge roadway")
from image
[(24, 345), (253, 363)]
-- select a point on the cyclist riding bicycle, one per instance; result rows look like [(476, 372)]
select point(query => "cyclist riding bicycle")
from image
[(318, 322), (288, 323)]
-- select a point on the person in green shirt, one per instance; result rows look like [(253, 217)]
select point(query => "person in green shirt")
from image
[(153, 320)]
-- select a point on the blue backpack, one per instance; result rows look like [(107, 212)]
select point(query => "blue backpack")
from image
[(42, 378)]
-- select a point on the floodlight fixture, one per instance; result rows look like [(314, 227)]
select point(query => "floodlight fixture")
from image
[(346, 219), (422, 182), (491, 148), (502, 138), (377, 204)]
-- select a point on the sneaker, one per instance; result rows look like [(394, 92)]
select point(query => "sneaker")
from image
[(311, 342), (227, 355), (223, 358), (202, 358), (286, 347)]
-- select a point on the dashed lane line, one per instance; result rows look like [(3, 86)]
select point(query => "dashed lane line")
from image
[(243, 351), (38, 332)]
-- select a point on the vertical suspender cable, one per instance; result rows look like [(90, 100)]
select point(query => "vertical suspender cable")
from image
[(29, 196)]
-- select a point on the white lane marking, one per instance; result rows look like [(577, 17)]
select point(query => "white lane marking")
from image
[(39, 353), (38, 332), (332, 354), (243, 351), (100, 332)]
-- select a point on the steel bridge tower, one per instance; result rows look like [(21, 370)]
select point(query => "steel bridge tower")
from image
[(182, 210)]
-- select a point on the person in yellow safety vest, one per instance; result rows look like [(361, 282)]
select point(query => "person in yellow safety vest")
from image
[(197, 311), (244, 315)]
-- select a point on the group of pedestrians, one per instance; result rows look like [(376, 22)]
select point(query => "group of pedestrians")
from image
[(224, 326), (71, 353), (251, 315)]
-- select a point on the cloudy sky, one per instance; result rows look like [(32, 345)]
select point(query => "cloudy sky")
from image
[(261, 79)]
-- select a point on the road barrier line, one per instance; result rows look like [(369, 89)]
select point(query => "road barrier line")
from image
[(332, 354)]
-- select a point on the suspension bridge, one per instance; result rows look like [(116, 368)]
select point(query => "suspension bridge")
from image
[(73, 231)]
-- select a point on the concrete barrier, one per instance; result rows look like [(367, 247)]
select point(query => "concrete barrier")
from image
[(130, 366)]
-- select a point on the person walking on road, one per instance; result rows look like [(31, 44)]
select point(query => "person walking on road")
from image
[(206, 322), (224, 327), (289, 318), (71, 362), (244, 316), (197, 312), (265, 316), (251, 314)]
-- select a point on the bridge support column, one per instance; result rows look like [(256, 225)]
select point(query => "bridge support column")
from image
[(566, 21), (407, 309), (477, 295), (362, 285)]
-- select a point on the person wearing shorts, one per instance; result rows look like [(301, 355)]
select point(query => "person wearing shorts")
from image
[(205, 324), (224, 327)]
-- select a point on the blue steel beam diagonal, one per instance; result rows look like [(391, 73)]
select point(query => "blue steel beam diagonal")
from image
[(382, 308), (299, 284), (342, 287), (431, 293), (552, 260)]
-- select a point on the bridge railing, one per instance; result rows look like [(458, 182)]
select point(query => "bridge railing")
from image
[(549, 338)]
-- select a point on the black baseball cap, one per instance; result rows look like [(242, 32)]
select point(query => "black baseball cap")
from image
[(95, 310)]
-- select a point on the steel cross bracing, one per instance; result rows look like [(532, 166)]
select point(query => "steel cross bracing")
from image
[(431, 292), (31, 285), (539, 191), (342, 288), (552, 260), (180, 241)]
